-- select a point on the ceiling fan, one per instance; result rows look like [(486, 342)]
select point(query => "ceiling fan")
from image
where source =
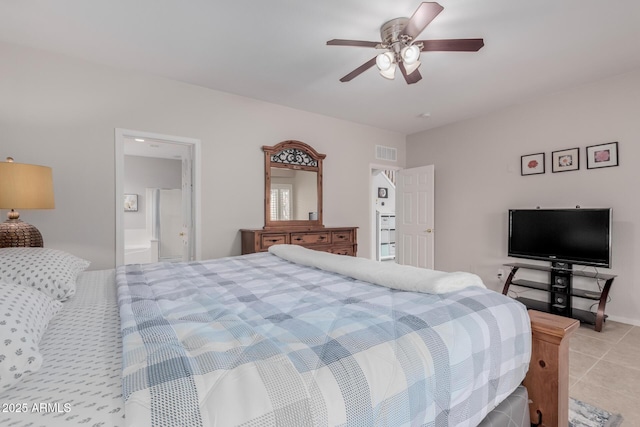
[(401, 49)]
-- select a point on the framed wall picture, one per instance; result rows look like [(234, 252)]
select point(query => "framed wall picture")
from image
[(532, 164), (565, 160), (602, 155), (131, 203), (383, 192)]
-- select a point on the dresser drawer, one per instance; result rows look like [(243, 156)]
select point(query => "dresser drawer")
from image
[(309, 238), (339, 240), (272, 239), (342, 236), (347, 250)]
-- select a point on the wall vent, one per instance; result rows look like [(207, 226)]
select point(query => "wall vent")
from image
[(386, 153)]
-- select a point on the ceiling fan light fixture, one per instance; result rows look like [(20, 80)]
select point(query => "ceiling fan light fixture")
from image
[(410, 68), (410, 54), (399, 39), (385, 61), (389, 73)]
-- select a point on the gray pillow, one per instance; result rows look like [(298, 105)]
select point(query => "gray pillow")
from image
[(50, 271), (24, 316)]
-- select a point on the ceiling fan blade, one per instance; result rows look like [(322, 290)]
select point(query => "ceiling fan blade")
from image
[(412, 78), (421, 18), (457, 45), (358, 43), (361, 69)]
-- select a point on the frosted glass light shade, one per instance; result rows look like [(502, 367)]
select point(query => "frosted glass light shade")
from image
[(410, 54), (389, 73), (410, 68), (384, 61)]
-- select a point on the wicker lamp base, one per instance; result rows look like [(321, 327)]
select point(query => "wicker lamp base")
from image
[(17, 234)]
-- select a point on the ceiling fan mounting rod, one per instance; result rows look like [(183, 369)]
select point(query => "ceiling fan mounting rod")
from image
[(390, 34), (390, 30)]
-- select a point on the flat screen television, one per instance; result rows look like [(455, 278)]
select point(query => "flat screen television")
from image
[(572, 236)]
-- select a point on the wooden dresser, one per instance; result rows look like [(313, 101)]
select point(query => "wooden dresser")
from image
[(293, 204), (337, 240)]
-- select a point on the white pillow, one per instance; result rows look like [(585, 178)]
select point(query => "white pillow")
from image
[(24, 316), (50, 271)]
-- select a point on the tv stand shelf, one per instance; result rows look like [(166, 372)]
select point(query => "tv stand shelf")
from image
[(561, 292)]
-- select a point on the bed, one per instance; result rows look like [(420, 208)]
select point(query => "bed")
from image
[(82, 364), (180, 366)]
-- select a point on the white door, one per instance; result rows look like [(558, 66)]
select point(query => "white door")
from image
[(171, 239), (188, 250), (415, 217)]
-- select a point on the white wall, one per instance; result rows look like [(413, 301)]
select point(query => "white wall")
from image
[(62, 113), (477, 178)]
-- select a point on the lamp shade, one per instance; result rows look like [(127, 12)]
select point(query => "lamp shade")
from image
[(25, 186)]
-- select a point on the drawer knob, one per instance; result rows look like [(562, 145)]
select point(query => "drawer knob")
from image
[(298, 239)]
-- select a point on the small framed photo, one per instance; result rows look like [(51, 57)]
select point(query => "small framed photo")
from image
[(565, 160), (131, 203), (532, 164), (602, 155), (383, 192)]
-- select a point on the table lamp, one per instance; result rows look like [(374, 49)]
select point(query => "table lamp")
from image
[(23, 186)]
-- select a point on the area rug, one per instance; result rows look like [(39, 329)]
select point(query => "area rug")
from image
[(582, 414)]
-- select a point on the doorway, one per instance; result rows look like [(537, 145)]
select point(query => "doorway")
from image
[(162, 173), (382, 190), (402, 223)]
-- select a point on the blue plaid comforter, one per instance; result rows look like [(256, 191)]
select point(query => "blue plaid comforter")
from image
[(259, 341)]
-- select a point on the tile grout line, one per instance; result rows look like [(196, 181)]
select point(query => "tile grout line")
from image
[(601, 358), (580, 384), (614, 344)]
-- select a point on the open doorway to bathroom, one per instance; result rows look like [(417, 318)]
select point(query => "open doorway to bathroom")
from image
[(158, 177), (383, 212)]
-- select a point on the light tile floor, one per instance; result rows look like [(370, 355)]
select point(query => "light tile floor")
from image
[(604, 369)]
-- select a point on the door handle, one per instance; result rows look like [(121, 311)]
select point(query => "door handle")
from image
[(182, 234), (428, 230)]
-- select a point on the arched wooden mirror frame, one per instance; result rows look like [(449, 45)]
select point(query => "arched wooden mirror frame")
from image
[(294, 155)]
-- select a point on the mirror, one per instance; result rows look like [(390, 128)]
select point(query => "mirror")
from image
[(294, 194), (293, 185)]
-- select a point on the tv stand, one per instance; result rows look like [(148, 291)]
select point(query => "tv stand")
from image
[(561, 291)]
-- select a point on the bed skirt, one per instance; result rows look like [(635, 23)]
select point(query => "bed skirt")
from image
[(512, 412)]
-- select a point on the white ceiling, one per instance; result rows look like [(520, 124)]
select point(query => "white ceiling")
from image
[(146, 147), (275, 50)]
